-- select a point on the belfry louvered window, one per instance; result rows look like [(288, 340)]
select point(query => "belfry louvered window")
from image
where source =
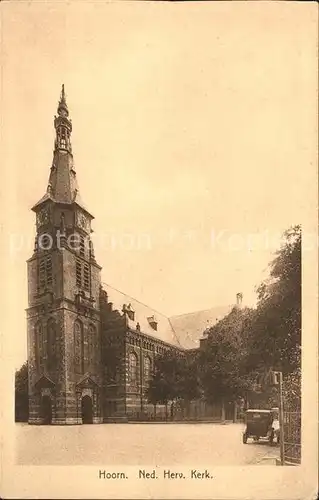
[(86, 277), (82, 272), (45, 272), (49, 271), (42, 273), (78, 272), (82, 246)]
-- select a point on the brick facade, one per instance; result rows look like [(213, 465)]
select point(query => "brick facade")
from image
[(124, 397)]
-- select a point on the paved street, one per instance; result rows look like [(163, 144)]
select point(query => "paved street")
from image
[(137, 444)]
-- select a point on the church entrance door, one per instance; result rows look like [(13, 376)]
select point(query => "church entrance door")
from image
[(46, 410), (87, 410)]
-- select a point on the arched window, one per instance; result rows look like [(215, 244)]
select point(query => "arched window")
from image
[(92, 344), (147, 369), (86, 350), (51, 344), (132, 367), (78, 347), (38, 337)]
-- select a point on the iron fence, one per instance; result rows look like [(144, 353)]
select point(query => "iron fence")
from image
[(292, 437)]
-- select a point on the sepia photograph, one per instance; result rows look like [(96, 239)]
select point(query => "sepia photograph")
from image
[(160, 198)]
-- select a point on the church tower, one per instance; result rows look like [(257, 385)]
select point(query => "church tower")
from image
[(63, 314)]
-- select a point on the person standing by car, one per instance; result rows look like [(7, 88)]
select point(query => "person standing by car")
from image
[(275, 423)]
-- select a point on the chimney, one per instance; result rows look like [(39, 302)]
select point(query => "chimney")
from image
[(239, 299)]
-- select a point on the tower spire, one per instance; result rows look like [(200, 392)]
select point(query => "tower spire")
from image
[(62, 106), (62, 186)]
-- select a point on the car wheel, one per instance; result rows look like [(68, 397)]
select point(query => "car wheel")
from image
[(245, 438)]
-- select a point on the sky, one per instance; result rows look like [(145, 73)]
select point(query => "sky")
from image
[(194, 140)]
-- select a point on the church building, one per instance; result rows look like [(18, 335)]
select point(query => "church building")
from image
[(91, 348)]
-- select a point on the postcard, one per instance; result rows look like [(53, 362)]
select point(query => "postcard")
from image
[(160, 250)]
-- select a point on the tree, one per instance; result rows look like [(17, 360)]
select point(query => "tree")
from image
[(276, 332), (292, 391), (223, 359), (175, 378), (21, 394), (188, 383), (162, 387)]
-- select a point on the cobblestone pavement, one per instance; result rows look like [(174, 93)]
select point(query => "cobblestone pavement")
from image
[(138, 444)]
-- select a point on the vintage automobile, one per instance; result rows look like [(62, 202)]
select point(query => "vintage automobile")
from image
[(259, 425)]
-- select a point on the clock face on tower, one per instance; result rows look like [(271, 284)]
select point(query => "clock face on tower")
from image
[(83, 221), (43, 217)]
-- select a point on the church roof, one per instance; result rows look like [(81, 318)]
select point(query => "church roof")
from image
[(183, 331), (190, 327), (144, 315)]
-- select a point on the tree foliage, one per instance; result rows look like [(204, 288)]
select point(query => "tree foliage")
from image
[(276, 330), (240, 350), (292, 391), (189, 387), (223, 360), (175, 377), (162, 387)]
